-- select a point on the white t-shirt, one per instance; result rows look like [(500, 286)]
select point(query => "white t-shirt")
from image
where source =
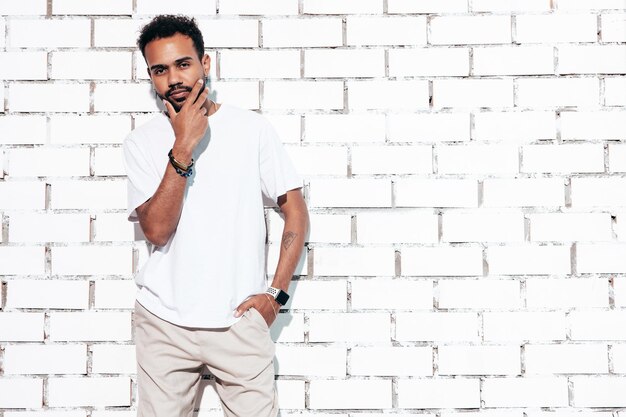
[(216, 257)]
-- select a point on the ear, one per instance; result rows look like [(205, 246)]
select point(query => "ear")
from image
[(206, 64)]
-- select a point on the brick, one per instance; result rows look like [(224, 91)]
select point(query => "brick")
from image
[(346, 63), (22, 130), (45, 359), (439, 393), (600, 258), (529, 260), (287, 126), (21, 327), (259, 64), (392, 159), (124, 98), (219, 33), (427, 6), (354, 261), (244, 94), (252, 7), (2, 34), (317, 295), (49, 161), (386, 30), (350, 193), (329, 228), (429, 127), (455, 30), (619, 227), (349, 327), (397, 227), (113, 359), (477, 159), (343, 7), (586, 125), (442, 261), (118, 32), (560, 227), (483, 226), (12, 260), (298, 32), (115, 293), (598, 192), (436, 193), (524, 126), (391, 361), (23, 65), (78, 129), (290, 394), (596, 5), (592, 59), (469, 93), (78, 7), (82, 392), (525, 392), (384, 94), (91, 65), (350, 394), (479, 360), (583, 158), (109, 162), (57, 97), (499, 6), (428, 62), (49, 33), (74, 194), (557, 27), (566, 358), (303, 95), (188, 7), (618, 352), (24, 7), (613, 27), (288, 328), (514, 60), (598, 391), (437, 326), (615, 91), (597, 325), (523, 192), (90, 326), (43, 293), (92, 260), (522, 325), (479, 294), (344, 127), (617, 158), (310, 361), (21, 393), (409, 294)]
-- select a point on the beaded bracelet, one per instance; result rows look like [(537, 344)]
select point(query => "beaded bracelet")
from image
[(181, 169)]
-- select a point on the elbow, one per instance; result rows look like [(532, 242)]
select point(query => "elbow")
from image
[(157, 237)]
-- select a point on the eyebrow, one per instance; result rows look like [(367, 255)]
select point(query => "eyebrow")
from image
[(178, 61)]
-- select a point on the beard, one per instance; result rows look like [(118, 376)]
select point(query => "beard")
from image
[(178, 103)]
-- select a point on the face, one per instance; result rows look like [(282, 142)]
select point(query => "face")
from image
[(174, 67)]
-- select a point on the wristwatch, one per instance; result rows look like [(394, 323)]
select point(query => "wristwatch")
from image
[(279, 295)]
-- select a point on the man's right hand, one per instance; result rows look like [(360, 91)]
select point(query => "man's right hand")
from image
[(190, 123)]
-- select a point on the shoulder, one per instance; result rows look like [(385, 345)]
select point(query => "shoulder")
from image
[(153, 128)]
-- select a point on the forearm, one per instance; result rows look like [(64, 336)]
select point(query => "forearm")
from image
[(159, 216), (291, 246)]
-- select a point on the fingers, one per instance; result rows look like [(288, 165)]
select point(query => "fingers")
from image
[(194, 93), (243, 307), (201, 98), (170, 109)]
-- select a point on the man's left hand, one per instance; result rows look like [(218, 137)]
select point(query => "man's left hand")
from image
[(264, 304)]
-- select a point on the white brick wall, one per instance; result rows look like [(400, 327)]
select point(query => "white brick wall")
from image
[(463, 165)]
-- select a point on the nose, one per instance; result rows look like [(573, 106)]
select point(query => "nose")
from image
[(173, 78)]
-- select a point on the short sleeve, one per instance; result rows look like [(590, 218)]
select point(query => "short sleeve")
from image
[(278, 174), (141, 179)]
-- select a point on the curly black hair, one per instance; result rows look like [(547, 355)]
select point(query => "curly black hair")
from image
[(164, 26)]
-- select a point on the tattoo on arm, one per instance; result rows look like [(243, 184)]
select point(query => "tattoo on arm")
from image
[(288, 238)]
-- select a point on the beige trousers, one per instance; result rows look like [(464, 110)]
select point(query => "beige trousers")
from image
[(170, 360)]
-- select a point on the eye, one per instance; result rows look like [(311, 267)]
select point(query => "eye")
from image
[(158, 71), (184, 64)]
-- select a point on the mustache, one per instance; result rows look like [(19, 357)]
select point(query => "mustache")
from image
[(177, 89)]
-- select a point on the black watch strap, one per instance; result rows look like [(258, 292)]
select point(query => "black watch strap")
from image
[(279, 295)]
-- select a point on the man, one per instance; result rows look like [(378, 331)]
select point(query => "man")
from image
[(197, 175)]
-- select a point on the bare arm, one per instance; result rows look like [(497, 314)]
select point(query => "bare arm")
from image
[(296, 226), (159, 215)]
